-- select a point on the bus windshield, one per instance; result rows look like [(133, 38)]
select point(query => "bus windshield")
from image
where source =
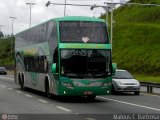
[(80, 63), (83, 32)]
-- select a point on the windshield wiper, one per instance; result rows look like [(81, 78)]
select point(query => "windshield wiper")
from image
[(75, 52), (74, 75), (100, 75)]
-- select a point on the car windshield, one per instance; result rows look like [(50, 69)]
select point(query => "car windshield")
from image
[(85, 63), (83, 32), (123, 75)]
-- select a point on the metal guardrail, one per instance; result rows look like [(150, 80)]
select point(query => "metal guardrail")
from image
[(150, 86)]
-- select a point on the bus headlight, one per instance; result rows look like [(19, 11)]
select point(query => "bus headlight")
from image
[(107, 84), (68, 85)]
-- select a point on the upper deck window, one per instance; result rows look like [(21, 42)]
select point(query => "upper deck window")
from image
[(83, 32)]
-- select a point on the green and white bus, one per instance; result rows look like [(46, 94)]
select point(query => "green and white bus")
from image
[(68, 56)]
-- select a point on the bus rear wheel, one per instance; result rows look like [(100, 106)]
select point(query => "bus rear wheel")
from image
[(22, 83), (47, 93)]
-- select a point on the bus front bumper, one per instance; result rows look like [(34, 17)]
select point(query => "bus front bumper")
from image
[(85, 91)]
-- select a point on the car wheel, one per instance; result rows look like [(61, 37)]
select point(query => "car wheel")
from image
[(136, 92), (113, 91)]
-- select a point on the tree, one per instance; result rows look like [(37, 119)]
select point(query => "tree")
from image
[(1, 34)]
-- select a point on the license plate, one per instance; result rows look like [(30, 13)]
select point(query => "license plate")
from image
[(88, 92), (130, 87)]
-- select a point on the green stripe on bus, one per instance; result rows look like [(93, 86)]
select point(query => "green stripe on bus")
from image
[(84, 46)]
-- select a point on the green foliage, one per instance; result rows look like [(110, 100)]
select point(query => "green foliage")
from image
[(136, 38), (1, 34), (146, 78), (146, 1), (136, 47), (5, 51)]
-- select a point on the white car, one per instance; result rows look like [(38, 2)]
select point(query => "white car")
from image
[(123, 81)]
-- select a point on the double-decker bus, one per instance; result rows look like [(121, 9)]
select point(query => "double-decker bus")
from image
[(68, 56)]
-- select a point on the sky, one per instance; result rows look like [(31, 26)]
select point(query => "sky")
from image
[(40, 13)]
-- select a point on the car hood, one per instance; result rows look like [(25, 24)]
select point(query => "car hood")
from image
[(125, 80)]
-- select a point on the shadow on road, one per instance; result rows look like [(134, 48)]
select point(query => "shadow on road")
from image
[(124, 94), (64, 99)]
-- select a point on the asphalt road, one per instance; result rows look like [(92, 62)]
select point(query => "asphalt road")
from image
[(33, 105)]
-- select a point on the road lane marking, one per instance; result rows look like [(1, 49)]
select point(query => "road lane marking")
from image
[(90, 119), (10, 89), (137, 105), (150, 95), (3, 86), (42, 100), (6, 78), (18, 91), (28, 95), (62, 108)]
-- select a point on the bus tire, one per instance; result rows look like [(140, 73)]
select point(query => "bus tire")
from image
[(19, 79), (22, 83), (47, 93), (91, 97)]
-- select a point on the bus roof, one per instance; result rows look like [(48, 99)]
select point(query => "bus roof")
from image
[(69, 18), (79, 18)]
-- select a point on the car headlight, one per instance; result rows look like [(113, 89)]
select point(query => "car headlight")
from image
[(137, 83), (119, 83)]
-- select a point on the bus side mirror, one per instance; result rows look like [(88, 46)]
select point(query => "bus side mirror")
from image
[(114, 67), (54, 67)]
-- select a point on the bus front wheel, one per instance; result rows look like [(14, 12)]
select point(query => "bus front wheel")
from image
[(91, 97)]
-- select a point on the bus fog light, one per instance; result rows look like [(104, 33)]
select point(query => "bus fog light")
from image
[(64, 92), (108, 92)]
